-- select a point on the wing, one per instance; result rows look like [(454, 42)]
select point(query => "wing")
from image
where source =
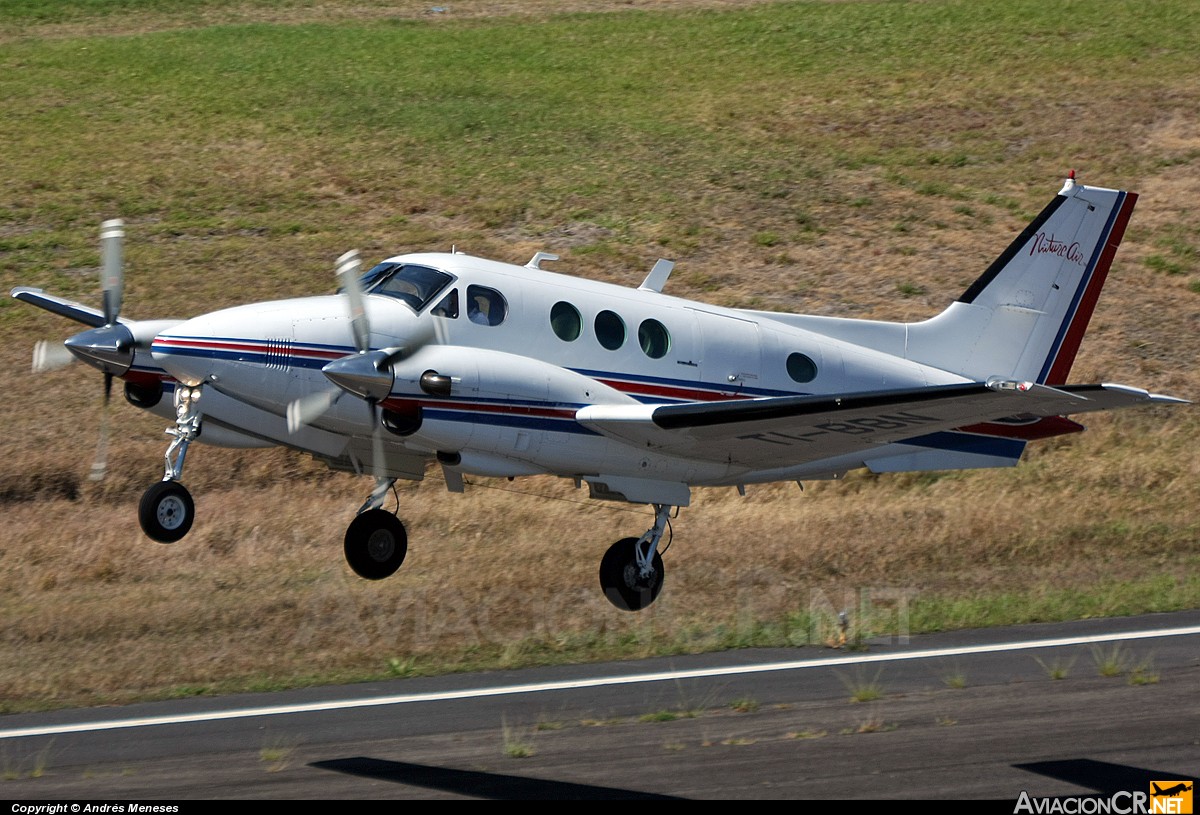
[(788, 430)]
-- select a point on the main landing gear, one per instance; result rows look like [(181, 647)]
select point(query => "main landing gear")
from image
[(376, 542), (166, 510), (631, 571)]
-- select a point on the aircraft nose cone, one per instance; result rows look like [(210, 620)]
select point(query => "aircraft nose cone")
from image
[(109, 348), (367, 375)]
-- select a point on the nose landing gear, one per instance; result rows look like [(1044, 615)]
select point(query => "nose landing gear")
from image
[(166, 510)]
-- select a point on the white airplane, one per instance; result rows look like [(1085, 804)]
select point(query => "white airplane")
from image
[(493, 369)]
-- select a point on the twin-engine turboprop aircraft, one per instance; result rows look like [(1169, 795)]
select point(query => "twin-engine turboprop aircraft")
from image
[(493, 369)]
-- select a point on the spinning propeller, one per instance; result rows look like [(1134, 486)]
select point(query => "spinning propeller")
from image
[(366, 373), (110, 346)]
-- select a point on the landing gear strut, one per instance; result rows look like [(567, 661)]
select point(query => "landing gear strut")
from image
[(166, 510), (376, 542), (631, 571)]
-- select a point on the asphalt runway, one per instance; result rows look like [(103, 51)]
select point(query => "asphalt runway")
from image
[(975, 715)]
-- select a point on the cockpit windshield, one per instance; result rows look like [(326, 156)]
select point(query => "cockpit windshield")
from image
[(415, 285)]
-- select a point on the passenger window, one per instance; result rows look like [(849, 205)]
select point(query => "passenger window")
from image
[(654, 339), (610, 330), (448, 307), (801, 368), (486, 306), (566, 322)]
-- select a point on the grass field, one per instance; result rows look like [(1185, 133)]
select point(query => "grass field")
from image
[(843, 158)]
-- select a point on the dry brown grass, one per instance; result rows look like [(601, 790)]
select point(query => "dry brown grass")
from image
[(299, 12), (258, 595)]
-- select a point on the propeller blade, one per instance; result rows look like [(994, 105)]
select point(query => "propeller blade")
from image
[(112, 285), (348, 266), (50, 356), (378, 462), (112, 291), (307, 409), (100, 462), (429, 332)]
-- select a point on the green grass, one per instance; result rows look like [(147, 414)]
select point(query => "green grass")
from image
[(1110, 598), (1111, 661), (560, 116), (861, 687), (659, 716), (1057, 667), (54, 11), (744, 704), (956, 679), (515, 742)]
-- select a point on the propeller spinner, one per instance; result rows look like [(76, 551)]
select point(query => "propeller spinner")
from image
[(109, 348)]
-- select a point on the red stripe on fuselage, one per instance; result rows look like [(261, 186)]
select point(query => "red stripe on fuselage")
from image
[(670, 392), (146, 377)]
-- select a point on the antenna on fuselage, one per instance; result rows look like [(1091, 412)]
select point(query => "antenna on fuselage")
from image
[(658, 276), (536, 261)]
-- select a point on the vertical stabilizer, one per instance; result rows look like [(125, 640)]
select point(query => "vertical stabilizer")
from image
[(1025, 316)]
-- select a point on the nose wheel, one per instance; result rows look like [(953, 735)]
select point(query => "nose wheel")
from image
[(166, 511)]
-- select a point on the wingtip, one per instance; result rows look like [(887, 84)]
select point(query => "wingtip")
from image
[(1163, 399)]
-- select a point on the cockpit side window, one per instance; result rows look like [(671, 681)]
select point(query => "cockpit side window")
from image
[(375, 274), (448, 307), (414, 285), (486, 306)]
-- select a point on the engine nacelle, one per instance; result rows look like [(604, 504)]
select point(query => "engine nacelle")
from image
[(446, 392)]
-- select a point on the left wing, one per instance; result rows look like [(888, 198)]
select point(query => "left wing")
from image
[(787, 430)]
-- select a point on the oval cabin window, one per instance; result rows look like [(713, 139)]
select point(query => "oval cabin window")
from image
[(801, 368), (610, 330), (654, 339), (566, 322)]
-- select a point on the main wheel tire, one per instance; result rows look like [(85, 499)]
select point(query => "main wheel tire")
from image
[(621, 581), (166, 511), (376, 544)]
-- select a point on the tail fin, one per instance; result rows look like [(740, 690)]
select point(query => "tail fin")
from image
[(1025, 316)]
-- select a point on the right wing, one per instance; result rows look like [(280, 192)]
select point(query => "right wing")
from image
[(787, 430)]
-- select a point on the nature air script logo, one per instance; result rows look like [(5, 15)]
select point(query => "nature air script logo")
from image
[(1044, 244), (1163, 798)]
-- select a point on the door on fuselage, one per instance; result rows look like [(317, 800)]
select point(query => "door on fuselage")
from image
[(730, 354)]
